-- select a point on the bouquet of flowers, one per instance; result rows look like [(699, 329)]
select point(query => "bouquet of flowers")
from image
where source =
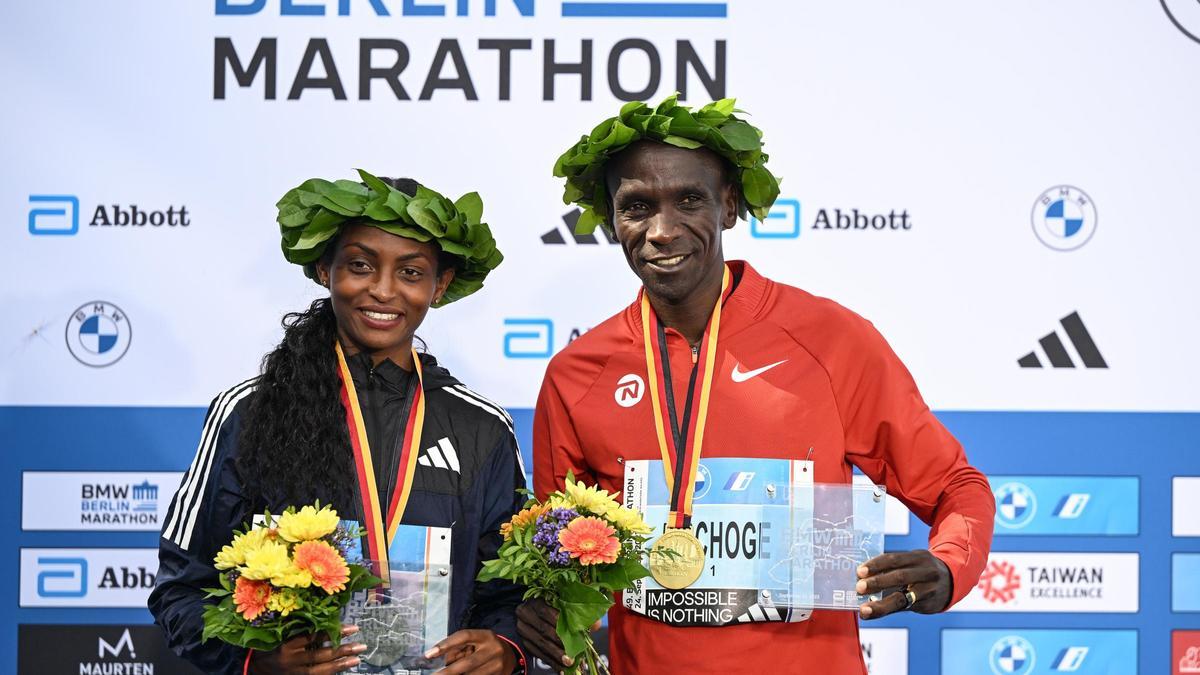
[(573, 550), (286, 577)]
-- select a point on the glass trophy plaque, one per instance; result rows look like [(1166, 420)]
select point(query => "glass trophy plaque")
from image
[(404, 618), (777, 545)]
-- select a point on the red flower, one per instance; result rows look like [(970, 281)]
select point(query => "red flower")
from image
[(591, 540), (324, 563), (250, 597)]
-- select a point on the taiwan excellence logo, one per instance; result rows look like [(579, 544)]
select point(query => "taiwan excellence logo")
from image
[(98, 334), (1016, 505), (1000, 582), (1064, 218), (1012, 655)]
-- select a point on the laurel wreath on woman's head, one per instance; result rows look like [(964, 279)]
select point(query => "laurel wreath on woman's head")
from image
[(714, 126), (313, 212)]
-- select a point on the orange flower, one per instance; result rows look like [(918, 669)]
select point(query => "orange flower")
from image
[(525, 517), (324, 563), (591, 540), (250, 597)]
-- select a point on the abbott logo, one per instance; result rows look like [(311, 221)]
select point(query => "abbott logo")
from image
[(630, 390), (125, 644), (53, 214), (528, 338), (782, 221), (62, 577)]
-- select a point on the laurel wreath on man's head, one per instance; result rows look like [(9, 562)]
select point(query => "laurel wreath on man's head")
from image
[(714, 126), (313, 212)]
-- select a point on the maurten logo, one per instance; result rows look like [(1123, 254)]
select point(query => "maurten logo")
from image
[(1064, 218), (1185, 14), (1056, 351), (1000, 582), (1012, 655), (125, 644), (98, 334), (1016, 505), (558, 235)]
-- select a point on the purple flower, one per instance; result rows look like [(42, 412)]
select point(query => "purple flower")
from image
[(546, 537)]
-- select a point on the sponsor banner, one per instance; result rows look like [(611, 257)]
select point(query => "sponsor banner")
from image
[(1185, 582), (87, 577), (885, 650), (96, 650), (100, 500), (1065, 505), (895, 515), (1034, 652), (1185, 652), (1185, 506), (1055, 582)]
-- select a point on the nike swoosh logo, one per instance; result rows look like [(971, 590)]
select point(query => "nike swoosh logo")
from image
[(739, 376)]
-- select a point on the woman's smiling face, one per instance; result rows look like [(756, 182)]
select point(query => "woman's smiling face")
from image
[(381, 286)]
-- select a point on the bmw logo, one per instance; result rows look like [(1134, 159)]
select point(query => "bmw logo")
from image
[(1064, 218), (703, 482), (98, 334), (1012, 655), (1016, 505)]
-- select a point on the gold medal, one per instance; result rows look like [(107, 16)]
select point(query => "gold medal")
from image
[(676, 559)]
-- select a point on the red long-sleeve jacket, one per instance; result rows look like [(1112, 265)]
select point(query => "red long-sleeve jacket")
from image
[(837, 388)]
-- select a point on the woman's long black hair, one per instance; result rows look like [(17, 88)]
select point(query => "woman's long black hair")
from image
[(294, 445)]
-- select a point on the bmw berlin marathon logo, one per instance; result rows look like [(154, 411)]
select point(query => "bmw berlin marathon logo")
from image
[(1015, 505), (1064, 218), (1012, 655), (98, 334)]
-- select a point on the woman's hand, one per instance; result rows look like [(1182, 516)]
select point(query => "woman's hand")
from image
[(478, 652), (304, 655)]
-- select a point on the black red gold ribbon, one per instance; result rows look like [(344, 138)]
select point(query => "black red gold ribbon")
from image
[(681, 441), (381, 528)]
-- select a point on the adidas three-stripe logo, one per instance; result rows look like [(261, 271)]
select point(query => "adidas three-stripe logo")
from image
[(441, 456), (1056, 351), (555, 236)]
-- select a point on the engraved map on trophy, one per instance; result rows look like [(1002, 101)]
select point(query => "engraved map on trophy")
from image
[(402, 621), (835, 528)]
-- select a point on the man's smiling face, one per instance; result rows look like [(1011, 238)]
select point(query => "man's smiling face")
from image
[(669, 206)]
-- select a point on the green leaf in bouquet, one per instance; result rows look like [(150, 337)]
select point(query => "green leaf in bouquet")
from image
[(581, 605)]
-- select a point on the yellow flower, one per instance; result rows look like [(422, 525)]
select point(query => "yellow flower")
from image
[(627, 519), (591, 499), (293, 577), (234, 554), (284, 601), (307, 524), (266, 562)]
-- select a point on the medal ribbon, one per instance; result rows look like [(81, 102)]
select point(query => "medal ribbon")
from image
[(681, 447), (379, 538)]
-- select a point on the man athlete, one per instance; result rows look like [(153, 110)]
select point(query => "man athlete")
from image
[(792, 377)]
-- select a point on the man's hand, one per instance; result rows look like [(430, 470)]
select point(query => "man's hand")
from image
[(917, 572), (304, 655), (475, 651), (536, 624)]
